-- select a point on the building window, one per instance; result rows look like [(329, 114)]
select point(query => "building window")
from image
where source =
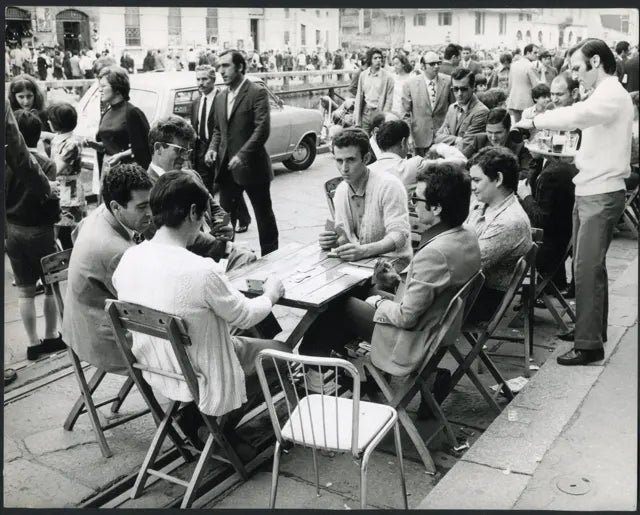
[(175, 25), (444, 18), (132, 26), (528, 36), (366, 21), (287, 37), (420, 20), (540, 36), (529, 17), (624, 24), (212, 23), (520, 17), (287, 12), (479, 23), (318, 38), (503, 23), (519, 35), (303, 35), (318, 13)]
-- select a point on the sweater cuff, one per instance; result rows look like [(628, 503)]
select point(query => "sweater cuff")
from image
[(398, 238)]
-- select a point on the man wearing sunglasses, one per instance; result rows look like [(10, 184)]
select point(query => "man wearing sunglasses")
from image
[(467, 116), (425, 100)]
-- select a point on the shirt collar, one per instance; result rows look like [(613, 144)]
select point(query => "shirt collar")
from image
[(157, 169), (389, 155), (433, 231), (376, 74), (363, 186), (211, 94), (234, 92), (492, 212)]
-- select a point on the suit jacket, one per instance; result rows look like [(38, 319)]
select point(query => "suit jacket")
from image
[(527, 164), (440, 266), (423, 118), (446, 67), (632, 73), (100, 242), (474, 66), (522, 79), (473, 121), (385, 101), (243, 133), (201, 147)]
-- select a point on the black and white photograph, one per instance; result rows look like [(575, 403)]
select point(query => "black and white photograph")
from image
[(321, 257)]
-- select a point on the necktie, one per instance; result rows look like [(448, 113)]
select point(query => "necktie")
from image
[(458, 115), (202, 128), (138, 237), (432, 93)]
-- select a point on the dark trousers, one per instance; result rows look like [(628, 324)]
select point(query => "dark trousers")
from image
[(594, 218), (548, 259), (260, 196), (485, 305)]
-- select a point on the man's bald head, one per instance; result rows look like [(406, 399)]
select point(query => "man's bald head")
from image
[(565, 90)]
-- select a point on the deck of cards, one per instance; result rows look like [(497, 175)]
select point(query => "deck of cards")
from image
[(256, 285)]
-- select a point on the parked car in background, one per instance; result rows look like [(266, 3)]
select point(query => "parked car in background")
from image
[(294, 135)]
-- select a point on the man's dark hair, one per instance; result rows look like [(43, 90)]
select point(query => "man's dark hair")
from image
[(492, 97), (622, 46), (529, 48), (118, 79), (499, 115), (497, 159), (30, 126), (463, 73), (468, 48), (506, 58), (371, 52), (351, 137), (568, 80), (377, 121), (169, 129), (391, 133), (172, 196), (63, 117), (592, 46), (479, 78), (447, 185), (121, 180), (452, 50), (237, 59), (540, 90)]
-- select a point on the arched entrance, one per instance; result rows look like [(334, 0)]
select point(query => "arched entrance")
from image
[(18, 26), (72, 29)]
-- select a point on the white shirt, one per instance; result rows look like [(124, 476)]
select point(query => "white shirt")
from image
[(404, 169), (606, 121), (231, 97), (157, 169), (210, 97)]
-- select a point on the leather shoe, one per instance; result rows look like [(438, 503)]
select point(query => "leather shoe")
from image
[(569, 293), (242, 228), (580, 357), (570, 336)]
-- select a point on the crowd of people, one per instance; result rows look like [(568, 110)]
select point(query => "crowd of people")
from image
[(424, 138)]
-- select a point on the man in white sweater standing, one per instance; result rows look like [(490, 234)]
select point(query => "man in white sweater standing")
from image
[(606, 119)]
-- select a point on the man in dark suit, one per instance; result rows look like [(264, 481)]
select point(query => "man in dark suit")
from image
[(451, 58), (468, 63), (241, 129), (202, 120), (425, 100), (631, 73), (467, 116)]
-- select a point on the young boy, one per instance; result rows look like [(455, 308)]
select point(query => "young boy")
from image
[(541, 95), (481, 83)]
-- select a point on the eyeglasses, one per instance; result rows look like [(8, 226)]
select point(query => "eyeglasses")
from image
[(437, 63), (414, 199), (460, 88), (184, 152)]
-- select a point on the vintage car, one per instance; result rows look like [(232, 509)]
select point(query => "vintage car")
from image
[(294, 131)]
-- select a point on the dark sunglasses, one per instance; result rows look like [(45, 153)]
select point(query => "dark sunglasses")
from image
[(437, 63), (460, 88)]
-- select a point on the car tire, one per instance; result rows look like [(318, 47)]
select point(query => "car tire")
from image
[(307, 151)]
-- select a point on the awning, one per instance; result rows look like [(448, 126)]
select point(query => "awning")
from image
[(17, 14)]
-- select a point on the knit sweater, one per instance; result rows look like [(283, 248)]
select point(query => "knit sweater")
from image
[(386, 213), (606, 120), (174, 280)]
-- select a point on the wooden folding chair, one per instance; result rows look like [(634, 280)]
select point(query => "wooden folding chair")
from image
[(479, 334), (416, 380), (329, 191), (125, 317), (631, 213), (56, 268), (326, 421)]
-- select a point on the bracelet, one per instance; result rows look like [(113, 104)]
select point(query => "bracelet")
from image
[(378, 302)]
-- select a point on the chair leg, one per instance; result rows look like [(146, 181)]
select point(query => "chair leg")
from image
[(122, 395), (232, 455), (316, 470), (154, 449), (417, 440), (462, 369), (93, 383), (403, 483), (554, 313), (189, 495), (88, 403), (274, 475), (363, 481), (437, 411)]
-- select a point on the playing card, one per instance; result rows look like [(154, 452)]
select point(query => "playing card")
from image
[(329, 225)]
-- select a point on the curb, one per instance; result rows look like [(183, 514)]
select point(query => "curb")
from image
[(499, 466)]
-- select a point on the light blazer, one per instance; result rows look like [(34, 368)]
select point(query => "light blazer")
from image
[(440, 266), (522, 79), (386, 99), (244, 134), (423, 118), (100, 242), (473, 121)]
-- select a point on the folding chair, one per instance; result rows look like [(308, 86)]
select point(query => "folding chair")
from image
[(330, 190), (56, 268), (326, 421), (631, 213), (125, 317), (479, 334), (437, 346)]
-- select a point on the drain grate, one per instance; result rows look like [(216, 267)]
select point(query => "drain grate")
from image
[(573, 485)]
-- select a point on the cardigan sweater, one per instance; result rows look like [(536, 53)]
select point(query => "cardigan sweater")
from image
[(386, 212), (172, 279)]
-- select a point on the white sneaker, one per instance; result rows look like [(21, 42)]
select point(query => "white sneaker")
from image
[(320, 383)]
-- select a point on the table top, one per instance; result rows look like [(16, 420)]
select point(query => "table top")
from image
[(533, 148), (310, 277)]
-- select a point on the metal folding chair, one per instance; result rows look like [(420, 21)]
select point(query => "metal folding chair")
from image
[(437, 346), (326, 421), (329, 191), (56, 268), (125, 317)]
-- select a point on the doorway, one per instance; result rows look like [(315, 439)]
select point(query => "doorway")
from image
[(254, 34)]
